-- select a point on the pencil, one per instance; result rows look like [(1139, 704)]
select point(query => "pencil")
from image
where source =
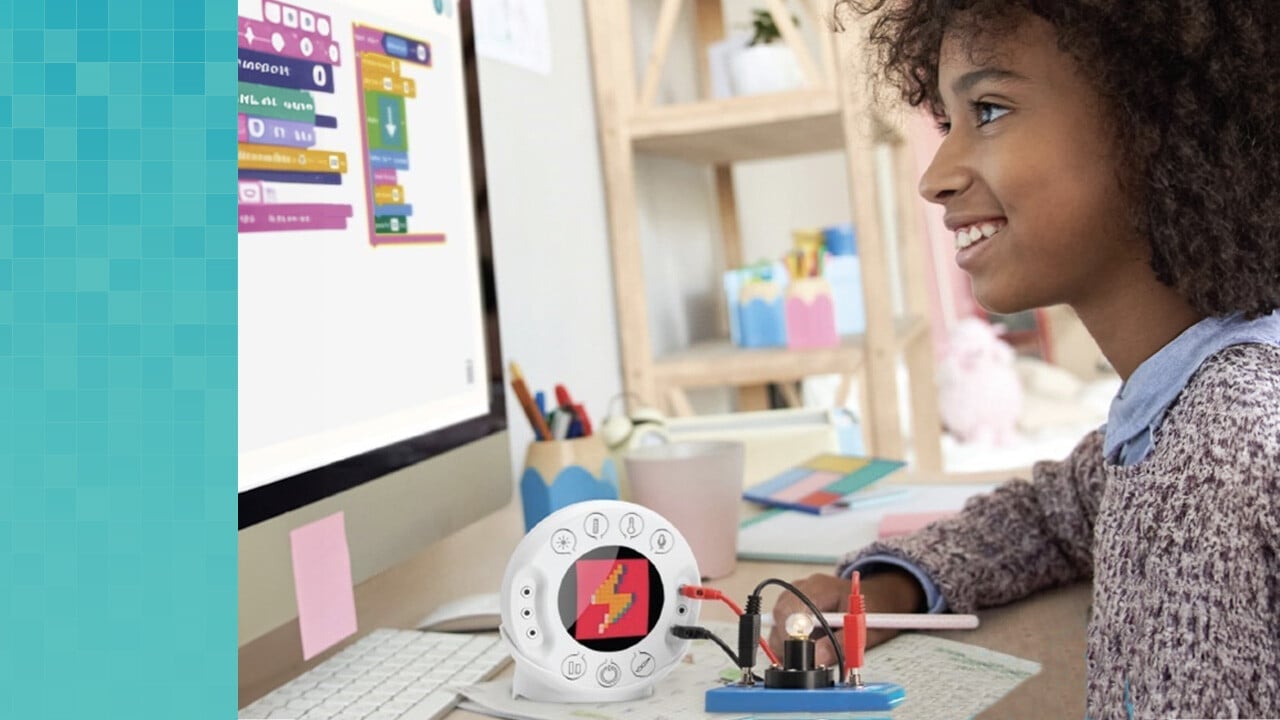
[(526, 401), (901, 621)]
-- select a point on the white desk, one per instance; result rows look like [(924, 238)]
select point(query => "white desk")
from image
[(1048, 628)]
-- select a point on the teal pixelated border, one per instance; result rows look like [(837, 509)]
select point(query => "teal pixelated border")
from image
[(117, 359)]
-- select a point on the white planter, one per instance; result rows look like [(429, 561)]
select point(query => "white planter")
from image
[(764, 69)]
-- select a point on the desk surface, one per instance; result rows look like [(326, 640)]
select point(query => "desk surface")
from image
[(1048, 628)]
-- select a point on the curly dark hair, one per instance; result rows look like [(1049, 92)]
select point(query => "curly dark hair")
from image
[(1194, 92)]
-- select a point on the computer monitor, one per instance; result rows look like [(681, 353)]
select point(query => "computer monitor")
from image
[(370, 376)]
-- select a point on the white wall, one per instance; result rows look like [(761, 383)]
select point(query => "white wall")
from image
[(555, 288)]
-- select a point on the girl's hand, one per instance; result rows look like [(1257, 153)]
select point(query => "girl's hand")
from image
[(888, 591)]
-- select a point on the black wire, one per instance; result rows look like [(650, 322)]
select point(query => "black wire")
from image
[(695, 632), (813, 608)]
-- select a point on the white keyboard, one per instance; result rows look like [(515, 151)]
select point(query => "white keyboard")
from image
[(386, 674)]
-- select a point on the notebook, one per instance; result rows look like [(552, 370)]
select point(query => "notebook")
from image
[(780, 536), (822, 484)]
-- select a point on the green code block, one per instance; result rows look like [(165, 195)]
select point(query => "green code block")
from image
[(391, 224), (279, 103), (384, 120)]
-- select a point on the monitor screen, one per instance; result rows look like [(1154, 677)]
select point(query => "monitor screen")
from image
[(367, 313)]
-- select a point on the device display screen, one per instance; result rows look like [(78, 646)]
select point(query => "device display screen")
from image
[(610, 598)]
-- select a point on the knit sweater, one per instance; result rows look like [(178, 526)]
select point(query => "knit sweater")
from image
[(1183, 550)]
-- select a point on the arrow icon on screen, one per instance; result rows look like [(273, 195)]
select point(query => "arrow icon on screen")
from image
[(391, 122)]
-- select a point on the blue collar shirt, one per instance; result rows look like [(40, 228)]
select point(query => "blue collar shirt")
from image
[(1139, 407)]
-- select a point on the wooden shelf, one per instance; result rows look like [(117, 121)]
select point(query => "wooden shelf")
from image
[(720, 362), (742, 128), (830, 113)]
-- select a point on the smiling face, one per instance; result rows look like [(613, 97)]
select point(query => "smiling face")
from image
[(1028, 175)]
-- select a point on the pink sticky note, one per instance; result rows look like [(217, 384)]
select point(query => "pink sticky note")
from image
[(906, 523), (322, 583)]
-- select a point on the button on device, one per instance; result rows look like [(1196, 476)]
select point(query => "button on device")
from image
[(642, 664), (631, 525), (661, 542), (573, 667), (563, 541), (596, 525), (609, 674)]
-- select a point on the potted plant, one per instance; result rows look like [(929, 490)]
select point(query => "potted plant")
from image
[(765, 64)]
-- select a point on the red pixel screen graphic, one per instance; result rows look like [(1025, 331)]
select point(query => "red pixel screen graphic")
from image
[(613, 599)]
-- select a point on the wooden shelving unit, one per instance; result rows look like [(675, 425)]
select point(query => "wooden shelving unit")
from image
[(829, 113), (747, 128)]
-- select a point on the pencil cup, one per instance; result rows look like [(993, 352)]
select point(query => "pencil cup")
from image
[(558, 473), (697, 487), (761, 316), (811, 317)]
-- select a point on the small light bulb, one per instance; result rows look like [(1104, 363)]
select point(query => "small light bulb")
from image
[(799, 625)]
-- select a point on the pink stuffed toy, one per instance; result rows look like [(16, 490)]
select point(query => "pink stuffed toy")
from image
[(980, 396)]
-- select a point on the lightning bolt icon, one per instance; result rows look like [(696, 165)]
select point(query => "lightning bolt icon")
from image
[(607, 594)]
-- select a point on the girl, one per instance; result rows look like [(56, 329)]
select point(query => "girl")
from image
[(1122, 157)]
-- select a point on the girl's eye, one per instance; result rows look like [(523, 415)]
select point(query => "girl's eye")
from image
[(943, 125), (985, 112)]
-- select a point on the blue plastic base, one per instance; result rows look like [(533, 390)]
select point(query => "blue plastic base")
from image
[(871, 697)]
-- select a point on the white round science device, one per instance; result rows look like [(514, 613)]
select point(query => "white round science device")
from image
[(588, 601)]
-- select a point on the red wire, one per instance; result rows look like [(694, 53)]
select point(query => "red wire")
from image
[(855, 626), (699, 592)]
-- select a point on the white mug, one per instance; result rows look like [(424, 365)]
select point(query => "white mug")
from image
[(697, 487)]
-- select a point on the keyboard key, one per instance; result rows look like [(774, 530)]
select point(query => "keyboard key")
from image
[(432, 706), (414, 694), (289, 691), (361, 708), (379, 694), (466, 677), (330, 710), (398, 706), (346, 695), (259, 709)]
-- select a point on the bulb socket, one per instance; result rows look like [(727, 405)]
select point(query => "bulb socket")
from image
[(797, 671)]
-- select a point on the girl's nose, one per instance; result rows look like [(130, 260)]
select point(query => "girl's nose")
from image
[(947, 175)]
